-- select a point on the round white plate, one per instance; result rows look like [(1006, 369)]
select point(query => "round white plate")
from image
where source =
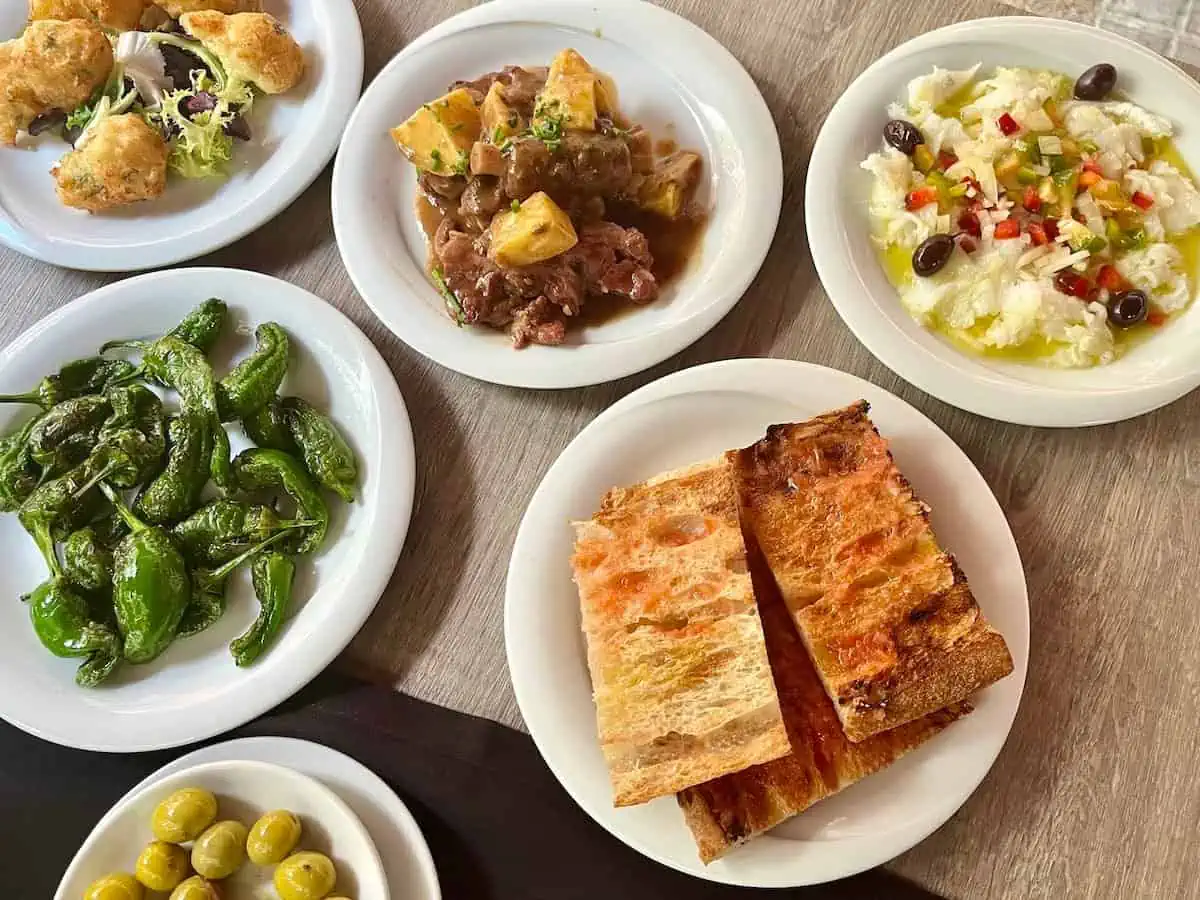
[(295, 134), (669, 73), (1150, 375), (406, 859), (194, 690), (694, 415), (244, 791)]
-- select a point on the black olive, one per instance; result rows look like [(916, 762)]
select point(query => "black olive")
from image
[(904, 136), (238, 128), (1097, 82), (1127, 308), (52, 118), (932, 255)]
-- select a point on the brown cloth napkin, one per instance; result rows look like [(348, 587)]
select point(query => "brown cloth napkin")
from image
[(499, 825)]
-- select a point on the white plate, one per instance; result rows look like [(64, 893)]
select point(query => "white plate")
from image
[(406, 859), (244, 791), (669, 72), (295, 134), (694, 415), (193, 690), (1152, 374)]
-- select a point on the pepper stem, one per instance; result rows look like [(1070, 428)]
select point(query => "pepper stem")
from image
[(135, 524), (224, 571), (31, 397), (124, 345), (95, 480), (45, 544)]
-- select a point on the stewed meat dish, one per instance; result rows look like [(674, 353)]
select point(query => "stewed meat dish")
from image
[(540, 199)]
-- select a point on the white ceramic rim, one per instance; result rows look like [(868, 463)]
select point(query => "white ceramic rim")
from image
[(318, 761), (540, 367), (397, 481), (539, 717), (994, 397), (258, 205), (305, 784)]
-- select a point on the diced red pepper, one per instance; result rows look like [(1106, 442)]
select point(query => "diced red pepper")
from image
[(1074, 285), (1088, 178), (1050, 226), (967, 243), (1008, 125), (1144, 201), (945, 159), (1084, 289), (1156, 317), (972, 183), (1091, 165), (1032, 201), (1111, 280), (1008, 229), (920, 198), (968, 223), (1038, 233)]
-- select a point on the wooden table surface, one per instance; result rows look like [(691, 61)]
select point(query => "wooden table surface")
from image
[(1096, 794)]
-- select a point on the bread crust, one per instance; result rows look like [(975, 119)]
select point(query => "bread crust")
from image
[(888, 617), (679, 669), (728, 811)]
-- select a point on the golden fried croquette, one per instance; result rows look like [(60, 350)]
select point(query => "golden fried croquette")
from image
[(122, 161), (121, 15), (176, 8), (253, 46), (53, 65)]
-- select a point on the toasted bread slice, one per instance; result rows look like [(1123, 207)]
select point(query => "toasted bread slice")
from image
[(730, 810), (888, 617), (679, 667)]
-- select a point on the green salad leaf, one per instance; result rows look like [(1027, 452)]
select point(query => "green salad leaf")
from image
[(200, 148)]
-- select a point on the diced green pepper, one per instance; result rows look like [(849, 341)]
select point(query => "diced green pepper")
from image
[(1096, 245), (1026, 175), (924, 159)]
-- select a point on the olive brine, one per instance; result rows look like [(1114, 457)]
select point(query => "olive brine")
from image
[(112, 486)]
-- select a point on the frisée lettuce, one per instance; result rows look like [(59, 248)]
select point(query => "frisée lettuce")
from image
[(197, 121)]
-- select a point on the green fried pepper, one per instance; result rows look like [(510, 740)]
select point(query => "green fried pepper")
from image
[(175, 493), (19, 474), (87, 562), (208, 589), (268, 428), (254, 381), (61, 505), (179, 365), (64, 436), (257, 469), (200, 328), (93, 375), (326, 454), (151, 586), (223, 529), (133, 441), (62, 622), (273, 575)]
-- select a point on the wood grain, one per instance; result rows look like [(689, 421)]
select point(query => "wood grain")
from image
[(1096, 794)]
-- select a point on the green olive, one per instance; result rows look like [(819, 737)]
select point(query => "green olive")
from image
[(196, 888), (221, 850), (184, 815), (273, 837), (161, 866), (117, 886), (305, 876)]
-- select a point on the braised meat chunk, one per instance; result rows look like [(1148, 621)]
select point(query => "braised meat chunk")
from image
[(541, 199)]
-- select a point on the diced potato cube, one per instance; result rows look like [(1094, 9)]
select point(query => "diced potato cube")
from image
[(439, 135), (568, 62), (499, 119), (607, 103), (570, 99), (486, 159), (666, 190), (535, 231)]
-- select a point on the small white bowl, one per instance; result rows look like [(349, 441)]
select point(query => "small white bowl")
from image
[(244, 791), (1154, 373)]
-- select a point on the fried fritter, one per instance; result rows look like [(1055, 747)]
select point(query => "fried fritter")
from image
[(53, 65), (253, 46), (122, 15), (123, 161), (176, 8)]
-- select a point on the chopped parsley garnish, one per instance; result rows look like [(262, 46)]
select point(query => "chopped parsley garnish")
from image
[(548, 130), (516, 206), (453, 306), (498, 135), (462, 163), (436, 155)]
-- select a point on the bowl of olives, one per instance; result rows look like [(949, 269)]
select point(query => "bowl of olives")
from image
[(225, 831)]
